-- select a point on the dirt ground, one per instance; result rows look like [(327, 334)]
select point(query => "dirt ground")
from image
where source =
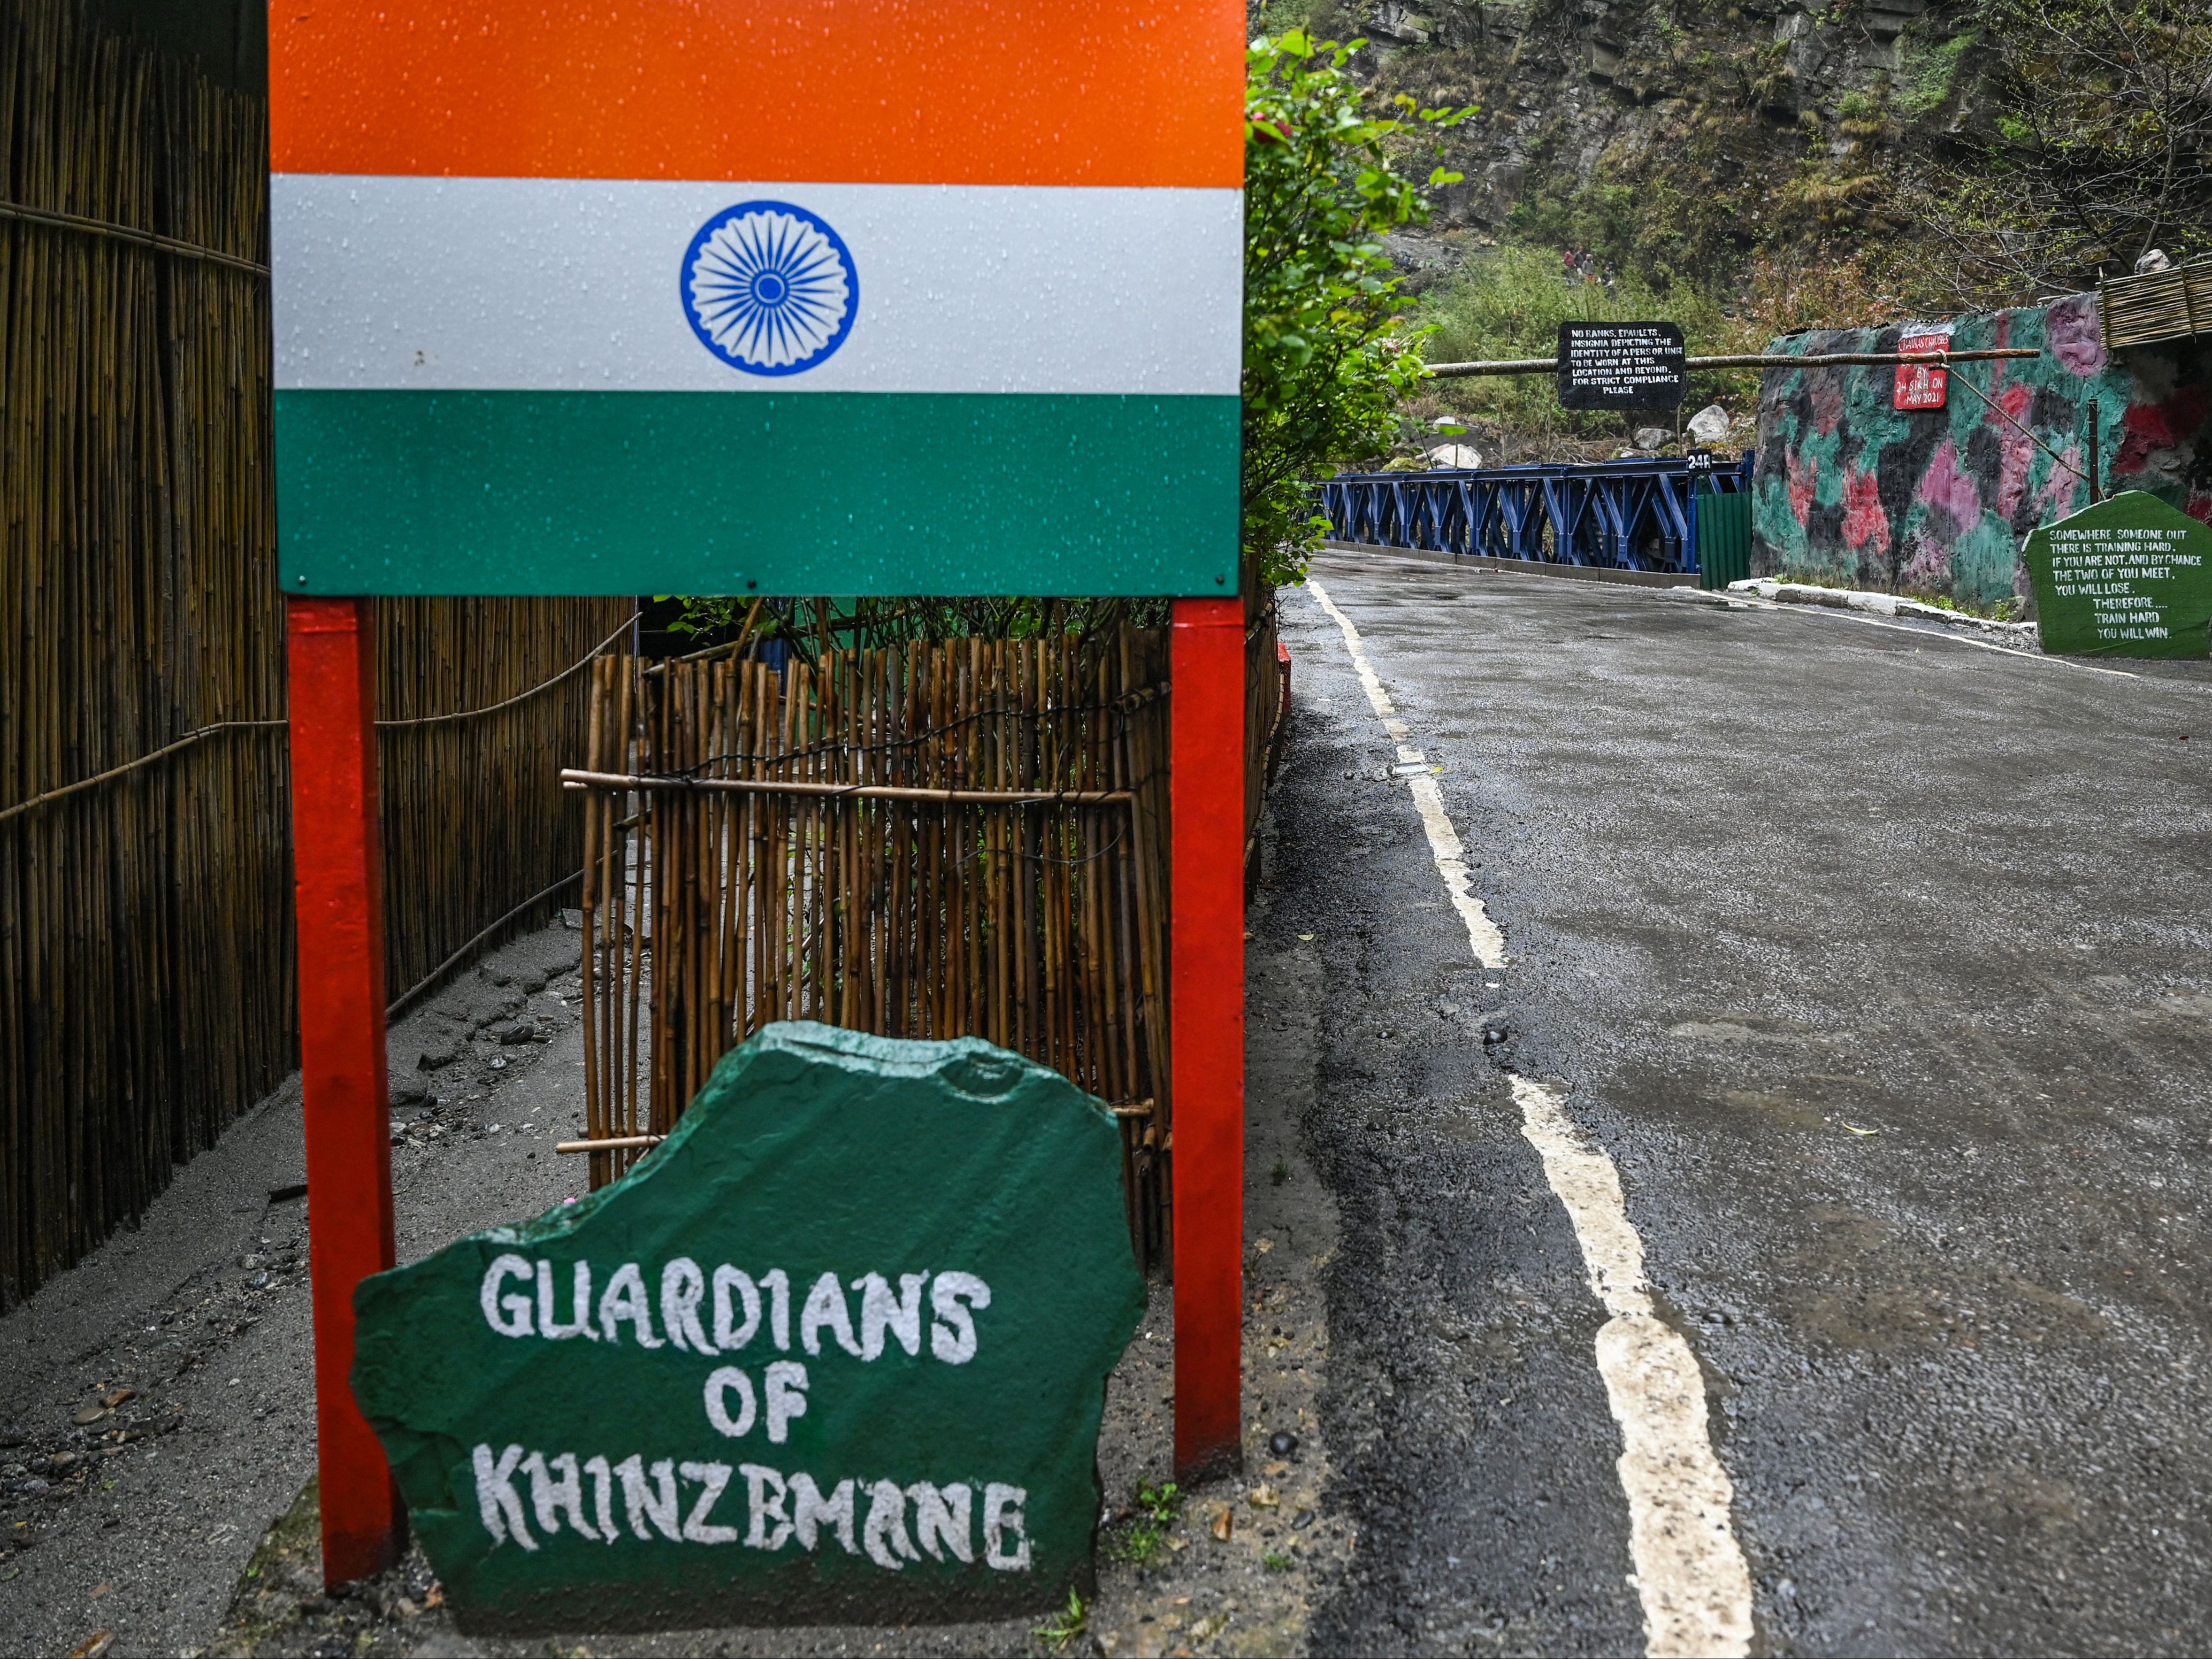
[(157, 1442)]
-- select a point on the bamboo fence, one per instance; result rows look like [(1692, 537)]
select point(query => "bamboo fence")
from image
[(930, 838), (1267, 701), (479, 701), (146, 946), (2156, 305)]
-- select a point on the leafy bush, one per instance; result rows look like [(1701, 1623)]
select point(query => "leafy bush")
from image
[(1927, 69), (809, 627), (1327, 356)]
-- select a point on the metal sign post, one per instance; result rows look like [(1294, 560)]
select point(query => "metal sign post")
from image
[(569, 302), (339, 869), (1207, 992)]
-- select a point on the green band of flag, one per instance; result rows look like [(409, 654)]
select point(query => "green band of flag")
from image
[(857, 493)]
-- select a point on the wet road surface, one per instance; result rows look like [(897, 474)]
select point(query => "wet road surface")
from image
[(1877, 963)]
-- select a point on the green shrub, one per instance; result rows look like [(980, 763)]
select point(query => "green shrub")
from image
[(1927, 69), (1327, 354), (1140, 1541)]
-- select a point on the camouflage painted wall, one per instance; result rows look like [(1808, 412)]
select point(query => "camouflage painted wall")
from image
[(1853, 491)]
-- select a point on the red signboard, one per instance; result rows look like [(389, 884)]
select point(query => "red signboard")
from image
[(1922, 385)]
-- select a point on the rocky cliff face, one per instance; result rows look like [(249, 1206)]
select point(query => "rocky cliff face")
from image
[(1681, 136)]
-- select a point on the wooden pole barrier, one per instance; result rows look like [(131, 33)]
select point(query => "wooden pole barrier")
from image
[(1746, 360), (1207, 967), (338, 876), (678, 783)]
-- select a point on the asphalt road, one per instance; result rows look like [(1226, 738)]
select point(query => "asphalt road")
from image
[(1877, 964)]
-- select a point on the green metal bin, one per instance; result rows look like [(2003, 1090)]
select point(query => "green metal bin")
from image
[(1723, 537)]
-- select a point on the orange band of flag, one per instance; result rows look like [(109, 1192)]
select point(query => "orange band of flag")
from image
[(975, 92)]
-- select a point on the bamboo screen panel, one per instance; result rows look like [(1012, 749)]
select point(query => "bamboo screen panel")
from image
[(481, 699), (1266, 699), (147, 981), (1041, 926), (2157, 306)]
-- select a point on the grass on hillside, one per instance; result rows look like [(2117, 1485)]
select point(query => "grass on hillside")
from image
[(1509, 301)]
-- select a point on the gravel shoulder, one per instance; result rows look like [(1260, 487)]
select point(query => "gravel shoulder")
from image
[(182, 1519), (140, 1521)]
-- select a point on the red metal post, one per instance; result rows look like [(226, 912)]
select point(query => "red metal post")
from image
[(339, 869), (1206, 992)]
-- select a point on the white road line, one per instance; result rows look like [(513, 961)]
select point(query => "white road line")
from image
[(1690, 1573), (1482, 934), (1938, 632)]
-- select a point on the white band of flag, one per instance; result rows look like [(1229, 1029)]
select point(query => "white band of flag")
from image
[(428, 283)]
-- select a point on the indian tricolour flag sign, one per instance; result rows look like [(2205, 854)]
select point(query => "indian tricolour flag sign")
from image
[(727, 296)]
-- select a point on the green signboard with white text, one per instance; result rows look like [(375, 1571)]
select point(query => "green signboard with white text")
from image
[(835, 1351), (2129, 577)]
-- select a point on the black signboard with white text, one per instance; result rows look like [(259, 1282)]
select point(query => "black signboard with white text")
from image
[(1621, 366)]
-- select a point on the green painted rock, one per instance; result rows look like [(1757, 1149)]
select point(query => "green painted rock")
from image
[(836, 1351), (2128, 577)]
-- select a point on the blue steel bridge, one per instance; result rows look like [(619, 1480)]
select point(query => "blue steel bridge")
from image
[(1643, 515)]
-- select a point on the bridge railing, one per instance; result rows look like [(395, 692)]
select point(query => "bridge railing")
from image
[(1616, 515)]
